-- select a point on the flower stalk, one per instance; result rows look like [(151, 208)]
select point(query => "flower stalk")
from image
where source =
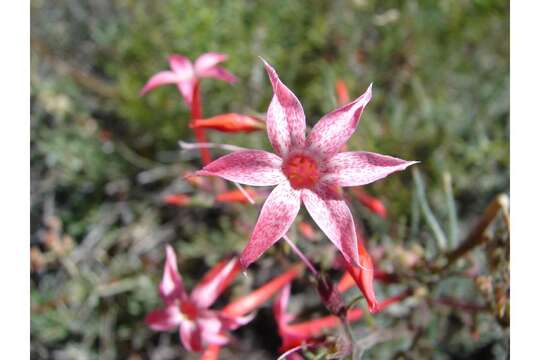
[(196, 113)]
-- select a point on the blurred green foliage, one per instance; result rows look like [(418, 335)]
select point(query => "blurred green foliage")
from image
[(102, 157)]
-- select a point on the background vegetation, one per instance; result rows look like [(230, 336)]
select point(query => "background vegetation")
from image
[(103, 158)]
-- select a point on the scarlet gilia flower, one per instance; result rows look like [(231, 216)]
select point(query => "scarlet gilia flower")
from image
[(235, 196), (307, 230), (186, 75), (342, 92), (364, 276), (311, 332), (373, 204), (177, 199), (250, 302), (305, 169), (199, 326), (230, 123)]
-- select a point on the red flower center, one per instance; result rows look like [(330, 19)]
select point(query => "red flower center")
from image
[(301, 170), (189, 310)]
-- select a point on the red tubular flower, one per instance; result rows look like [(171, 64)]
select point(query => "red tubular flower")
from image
[(230, 123), (235, 196), (185, 74), (342, 92), (363, 276), (346, 282), (305, 169), (251, 301), (177, 199), (293, 335), (198, 325), (306, 230), (375, 205)]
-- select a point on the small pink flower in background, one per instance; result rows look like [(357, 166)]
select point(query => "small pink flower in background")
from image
[(198, 325), (305, 169), (185, 74)]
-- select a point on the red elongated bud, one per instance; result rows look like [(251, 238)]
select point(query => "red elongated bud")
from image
[(306, 230), (231, 122), (177, 199), (347, 281), (342, 92), (215, 281), (312, 328), (363, 276), (375, 205), (235, 196), (250, 302)]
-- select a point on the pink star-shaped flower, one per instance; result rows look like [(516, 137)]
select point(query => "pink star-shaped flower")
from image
[(199, 326), (185, 74), (305, 169)]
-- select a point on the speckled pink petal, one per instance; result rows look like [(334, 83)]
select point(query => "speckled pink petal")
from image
[(360, 167), (333, 216), (190, 335), (164, 319), (285, 119), (171, 287), (249, 167), (277, 215), (161, 78), (335, 128), (214, 282)]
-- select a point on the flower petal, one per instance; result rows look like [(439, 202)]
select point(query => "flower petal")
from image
[(280, 307), (214, 282), (218, 72), (190, 335), (277, 215), (333, 216), (211, 330), (161, 78), (249, 167), (335, 128), (285, 119), (186, 76), (186, 89), (234, 322), (171, 287), (182, 66), (164, 319), (209, 60), (363, 276), (358, 168)]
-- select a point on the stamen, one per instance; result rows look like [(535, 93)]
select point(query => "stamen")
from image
[(302, 171)]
